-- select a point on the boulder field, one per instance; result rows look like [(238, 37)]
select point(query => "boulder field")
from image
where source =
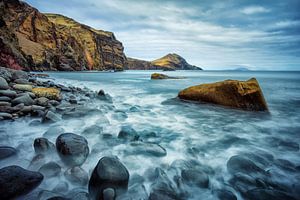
[(246, 95)]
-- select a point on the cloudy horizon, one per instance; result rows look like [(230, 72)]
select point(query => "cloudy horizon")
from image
[(228, 34)]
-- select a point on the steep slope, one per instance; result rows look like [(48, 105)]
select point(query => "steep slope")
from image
[(55, 42), (168, 62)]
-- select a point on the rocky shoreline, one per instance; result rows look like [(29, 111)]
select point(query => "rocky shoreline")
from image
[(60, 156)]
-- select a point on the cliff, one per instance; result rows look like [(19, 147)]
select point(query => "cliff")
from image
[(39, 41), (168, 62)]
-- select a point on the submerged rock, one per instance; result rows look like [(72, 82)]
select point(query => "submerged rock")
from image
[(267, 194), (128, 133), (43, 145), (6, 152), (16, 181), (77, 176), (223, 194), (244, 165), (245, 95), (50, 169), (146, 148), (195, 177), (109, 173), (51, 117), (73, 149)]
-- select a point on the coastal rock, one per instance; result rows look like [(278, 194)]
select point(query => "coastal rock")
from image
[(51, 117), (49, 93), (19, 74), (16, 181), (4, 98), (23, 87), (77, 176), (245, 95), (266, 194), (43, 145), (145, 148), (128, 133), (6, 152), (3, 84), (22, 81), (73, 149), (25, 99), (8, 93), (109, 173), (5, 73), (223, 194), (244, 165), (195, 177), (4, 115), (50, 169)]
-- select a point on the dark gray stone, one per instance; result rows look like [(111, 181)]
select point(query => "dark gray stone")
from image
[(128, 133), (3, 84), (43, 145), (16, 181), (195, 178), (8, 93), (50, 169), (109, 173), (6, 152), (26, 99), (73, 149)]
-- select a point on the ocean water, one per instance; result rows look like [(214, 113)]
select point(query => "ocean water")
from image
[(205, 133)]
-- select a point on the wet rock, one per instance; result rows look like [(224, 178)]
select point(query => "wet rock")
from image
[(4, 115), (223, 194), (109, 173), (267, 194), (128, 133), (49, 93), (53, 131), (78, 194), (77, 176), (53, 102), (150, 149), (43, 145), (105, 97), (3, 84), (243, 182), (245, 95), (8, 93), (4, 98), (285, 165), (242, 164), (16, 181), (21, 81), (46, 194), (25, 99), (73, 149), (61, 187), (3, 103), (42, 101), (93, 130), (19, 74), (195, 177), (109, 194), (6, 152), (37, 161), (50, 169), (162, 188), (23, 87), (51, 117)]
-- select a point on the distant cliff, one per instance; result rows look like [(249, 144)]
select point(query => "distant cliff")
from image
[(34, 41), (168, 62)]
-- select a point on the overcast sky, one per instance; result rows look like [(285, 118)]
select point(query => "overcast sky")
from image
[(258, 34)]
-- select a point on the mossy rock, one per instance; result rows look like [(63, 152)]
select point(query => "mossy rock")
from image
[(159, 76), (245, 95), (49, 93)]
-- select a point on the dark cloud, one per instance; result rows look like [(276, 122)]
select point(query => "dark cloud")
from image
[(261, 34)]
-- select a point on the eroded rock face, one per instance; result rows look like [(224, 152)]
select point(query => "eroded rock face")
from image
[(16, 181), (245, 95), (36, 41), (109, 173)]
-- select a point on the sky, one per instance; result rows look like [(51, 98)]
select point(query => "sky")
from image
[(224, 34)]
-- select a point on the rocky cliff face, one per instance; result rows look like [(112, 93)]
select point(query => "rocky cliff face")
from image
[(168, 62), (54, 42)]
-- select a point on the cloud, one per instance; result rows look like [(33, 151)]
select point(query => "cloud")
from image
[(254, 10)]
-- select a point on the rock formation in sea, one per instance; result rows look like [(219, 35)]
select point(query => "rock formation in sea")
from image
[(245, 95), (169, 62), (31, 40)]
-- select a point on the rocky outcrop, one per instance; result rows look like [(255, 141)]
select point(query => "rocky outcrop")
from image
[(169, 62), (158, 76), (34, 41), (245, 95)]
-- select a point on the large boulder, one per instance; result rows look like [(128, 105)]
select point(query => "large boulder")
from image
[(245, 95), (49, 93), (109, 173), (158, 76), (73, 149), (43, 145), (242, 164), (16, 181)]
